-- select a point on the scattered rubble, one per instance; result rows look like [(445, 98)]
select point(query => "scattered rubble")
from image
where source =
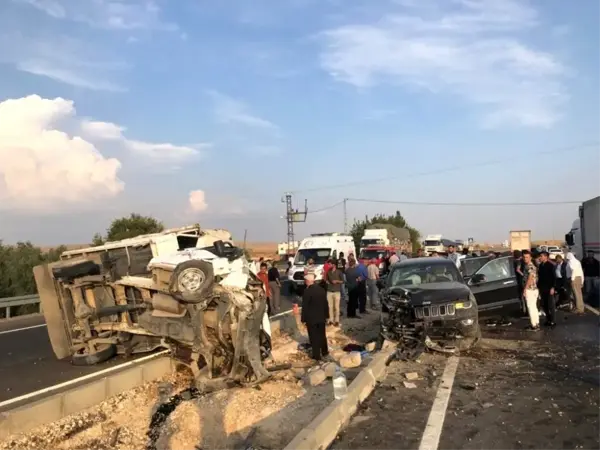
[(350, 360), (409, 385), (412, 376), (329, 369), (316, 377)]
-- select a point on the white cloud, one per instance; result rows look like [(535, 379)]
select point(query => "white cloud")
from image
[(197, 201), (102, 130), (158, 153), (117, 15), (63, 59), (229, 110), (473, 51), (43, 168)]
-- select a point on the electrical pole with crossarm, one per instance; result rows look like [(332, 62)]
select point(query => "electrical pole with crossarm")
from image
[(292, 216)]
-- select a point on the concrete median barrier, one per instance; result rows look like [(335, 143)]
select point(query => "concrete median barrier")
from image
[(47, 407), (321, 432)]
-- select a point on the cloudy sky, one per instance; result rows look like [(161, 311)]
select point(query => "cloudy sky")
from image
[(208, 111)]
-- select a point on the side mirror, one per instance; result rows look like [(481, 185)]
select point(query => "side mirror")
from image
[(569, 239), (477, 278)]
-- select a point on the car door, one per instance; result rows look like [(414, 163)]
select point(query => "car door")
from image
[(469, 265), (495, 287)]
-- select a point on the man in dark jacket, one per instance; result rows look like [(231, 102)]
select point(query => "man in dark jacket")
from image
[(546, 283), (315, 314)]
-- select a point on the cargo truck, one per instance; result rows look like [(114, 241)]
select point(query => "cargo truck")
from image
[(383, 234), (520, 240), (584, 236)]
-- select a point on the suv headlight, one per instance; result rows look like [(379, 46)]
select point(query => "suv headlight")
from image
[(464, 304)]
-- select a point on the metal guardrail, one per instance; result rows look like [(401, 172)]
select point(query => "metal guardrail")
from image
[(21, 300)]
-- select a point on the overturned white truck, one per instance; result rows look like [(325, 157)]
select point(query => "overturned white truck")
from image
[(188, 290)]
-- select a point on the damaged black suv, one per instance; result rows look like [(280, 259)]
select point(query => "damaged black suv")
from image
[(428, 299)]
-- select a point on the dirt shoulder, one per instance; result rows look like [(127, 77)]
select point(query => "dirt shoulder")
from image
[(266, 416)]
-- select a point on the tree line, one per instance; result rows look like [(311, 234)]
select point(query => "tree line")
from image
[(17, 261)]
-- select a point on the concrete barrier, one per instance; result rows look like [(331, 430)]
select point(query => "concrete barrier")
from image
[(51, 404), (40, 411), (321, 432)]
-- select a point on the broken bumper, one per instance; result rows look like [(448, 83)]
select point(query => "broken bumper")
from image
[(462, 324)]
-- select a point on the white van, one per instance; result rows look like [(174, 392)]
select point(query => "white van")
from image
[(319, 247)]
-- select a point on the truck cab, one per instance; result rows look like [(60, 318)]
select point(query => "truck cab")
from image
[(433, 243), (377, 252), (319, 248), (374, 237)]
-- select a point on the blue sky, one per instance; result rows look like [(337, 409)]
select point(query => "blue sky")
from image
[(209, 111)]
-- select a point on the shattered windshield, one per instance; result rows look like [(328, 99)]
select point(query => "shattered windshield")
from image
[(319, 256), (413, 274)]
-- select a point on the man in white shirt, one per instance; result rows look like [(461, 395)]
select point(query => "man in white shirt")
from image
[(394, 259), (576, 275), (453, 256)]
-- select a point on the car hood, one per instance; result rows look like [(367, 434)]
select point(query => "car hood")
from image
[(432, 293)]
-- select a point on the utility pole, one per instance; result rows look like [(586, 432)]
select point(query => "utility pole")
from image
[(292, 216), (345, 217)]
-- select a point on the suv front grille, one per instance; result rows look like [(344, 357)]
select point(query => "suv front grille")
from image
[(423, 312)]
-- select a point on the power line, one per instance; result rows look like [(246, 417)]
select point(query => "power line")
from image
[(326, 208), (448, 169), (413, 203), (368, 200)]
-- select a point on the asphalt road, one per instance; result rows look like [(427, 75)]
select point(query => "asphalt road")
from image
[(542, 396), (27, 362)]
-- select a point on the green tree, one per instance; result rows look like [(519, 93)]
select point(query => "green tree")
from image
[(16, 267), (128, 227), (97, 240), (358, 227)]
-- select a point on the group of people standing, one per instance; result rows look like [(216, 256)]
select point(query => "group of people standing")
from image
[(544, 282), (344, 282)]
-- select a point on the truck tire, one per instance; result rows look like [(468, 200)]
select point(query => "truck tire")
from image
[(191, 281), (75, 270), (103, 353)]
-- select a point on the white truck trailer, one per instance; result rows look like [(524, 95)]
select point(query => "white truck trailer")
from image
[(584, 236), (520, 240)]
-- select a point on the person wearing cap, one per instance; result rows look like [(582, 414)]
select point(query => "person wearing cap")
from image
[(315, 314)]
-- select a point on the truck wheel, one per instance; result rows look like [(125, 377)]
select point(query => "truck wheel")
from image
[(191, 280), (103, 353)]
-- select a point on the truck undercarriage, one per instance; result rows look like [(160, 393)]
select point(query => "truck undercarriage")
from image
[(211, 324)]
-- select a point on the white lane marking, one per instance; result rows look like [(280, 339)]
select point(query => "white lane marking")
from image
[(435, 422), (80, 379), (592, 309), (22, 329)]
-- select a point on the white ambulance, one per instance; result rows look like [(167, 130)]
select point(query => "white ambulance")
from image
[(319, 248)]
